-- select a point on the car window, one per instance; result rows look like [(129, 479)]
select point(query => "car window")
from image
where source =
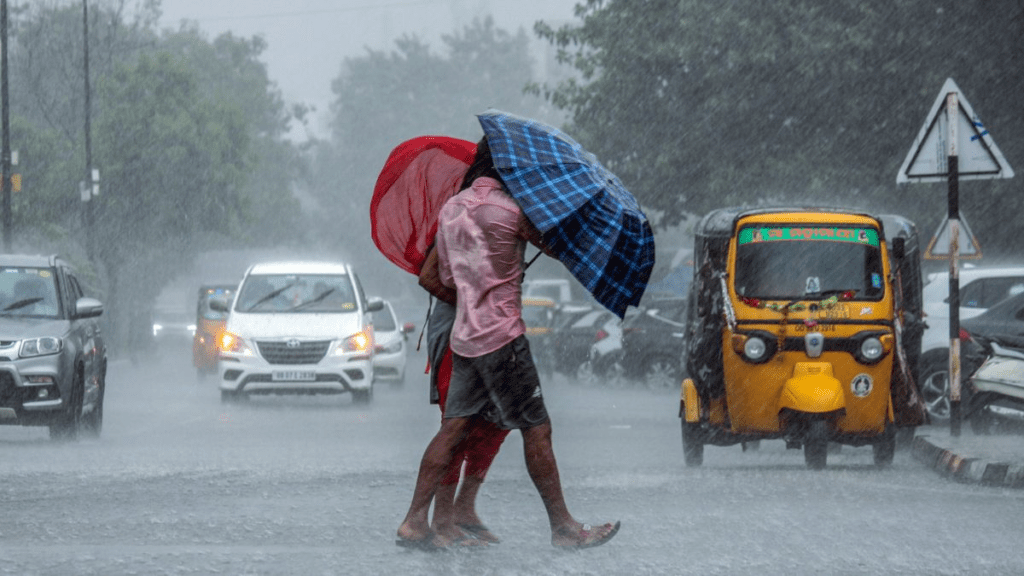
[(384, 320), (359, 289), (986, 292), (296, 293), (28, 292)]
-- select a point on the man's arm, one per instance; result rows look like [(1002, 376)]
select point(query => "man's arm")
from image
[(531, 234), (430, 278)]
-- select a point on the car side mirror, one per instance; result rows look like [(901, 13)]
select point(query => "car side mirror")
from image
[(375, 305), (899, 248), (88, 308), (219, 305), (408, 327)]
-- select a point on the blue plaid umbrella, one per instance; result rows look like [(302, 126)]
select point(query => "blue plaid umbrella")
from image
[(589, 220)]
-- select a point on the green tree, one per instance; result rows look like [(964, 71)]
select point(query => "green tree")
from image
[(384, 98), (698, 105), (174, 164)]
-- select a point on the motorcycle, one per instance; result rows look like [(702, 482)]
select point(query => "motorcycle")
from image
[(996, 389)]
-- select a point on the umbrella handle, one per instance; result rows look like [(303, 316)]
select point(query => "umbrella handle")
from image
[(532, 260)]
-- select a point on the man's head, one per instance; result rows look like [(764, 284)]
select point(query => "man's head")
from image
[(483, 165)]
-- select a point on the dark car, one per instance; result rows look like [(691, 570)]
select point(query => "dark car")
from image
[(652, 343), (574, 330), (53, 361), (1003, 323)]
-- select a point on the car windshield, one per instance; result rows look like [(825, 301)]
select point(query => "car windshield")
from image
[(296, 293), (787, 263), (28, 292), (209, 294)]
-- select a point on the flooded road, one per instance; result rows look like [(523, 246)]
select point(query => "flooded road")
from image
[(181, 484)]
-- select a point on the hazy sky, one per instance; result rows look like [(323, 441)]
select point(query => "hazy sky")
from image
[(307, 39)]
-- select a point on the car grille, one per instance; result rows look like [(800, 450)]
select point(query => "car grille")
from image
[(293, 352)]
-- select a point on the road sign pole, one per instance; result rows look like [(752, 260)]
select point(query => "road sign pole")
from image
[(953, 163)]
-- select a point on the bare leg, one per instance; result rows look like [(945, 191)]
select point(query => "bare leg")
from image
[(433, 467), (443, 522), (540, 463)]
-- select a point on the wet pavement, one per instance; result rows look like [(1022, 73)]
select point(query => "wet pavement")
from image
[(992, 459)]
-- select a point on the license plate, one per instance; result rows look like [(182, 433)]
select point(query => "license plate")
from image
[(294, 376)]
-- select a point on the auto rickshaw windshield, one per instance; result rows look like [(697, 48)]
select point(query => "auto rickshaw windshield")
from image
[(793, 262)]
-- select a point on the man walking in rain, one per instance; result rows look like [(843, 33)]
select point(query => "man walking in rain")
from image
[(481, 239)]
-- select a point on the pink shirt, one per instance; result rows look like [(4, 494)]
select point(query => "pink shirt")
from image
[(480, 244)]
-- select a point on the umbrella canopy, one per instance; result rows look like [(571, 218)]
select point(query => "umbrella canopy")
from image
[(590, 221), (419, 176)]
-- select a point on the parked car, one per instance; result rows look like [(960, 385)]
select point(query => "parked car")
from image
[(557, 289), (53, 360), (209, 325), (537, 315), (390, 345), (574, 329), (652, 343), (298, 328), (980, 289), (995, 391)]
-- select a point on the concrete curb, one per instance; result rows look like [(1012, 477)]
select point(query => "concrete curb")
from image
[(965, 469)]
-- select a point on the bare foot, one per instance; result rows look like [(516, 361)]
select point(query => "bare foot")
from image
[(583, 536)]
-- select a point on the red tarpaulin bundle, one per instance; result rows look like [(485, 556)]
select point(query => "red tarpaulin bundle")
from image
[(419, 176)]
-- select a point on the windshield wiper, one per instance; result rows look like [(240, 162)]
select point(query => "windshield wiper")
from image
[(319, 297), (22, 303), (270, 296)]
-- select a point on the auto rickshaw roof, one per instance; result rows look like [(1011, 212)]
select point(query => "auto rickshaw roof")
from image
[(721, 223)]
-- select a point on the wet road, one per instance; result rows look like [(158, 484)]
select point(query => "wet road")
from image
[(180, 484)]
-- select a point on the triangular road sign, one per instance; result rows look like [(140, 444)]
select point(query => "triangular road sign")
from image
[(978, 156), (968, 247)]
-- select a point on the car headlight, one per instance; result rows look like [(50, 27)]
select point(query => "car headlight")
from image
[(234, 343), (391, 348), (358, 342), (871, 350), (41, 346)]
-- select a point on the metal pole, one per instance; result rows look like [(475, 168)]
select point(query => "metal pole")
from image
[(952, 112), (88, 134), (5, 152)]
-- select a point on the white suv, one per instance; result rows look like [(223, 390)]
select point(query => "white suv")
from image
[(298, 328), (980, 288)]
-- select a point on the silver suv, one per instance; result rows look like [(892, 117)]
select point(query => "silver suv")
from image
[(298, 328), (53, 361)]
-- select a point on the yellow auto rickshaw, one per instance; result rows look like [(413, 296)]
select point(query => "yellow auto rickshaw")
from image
[(209, 326), (804, 325)]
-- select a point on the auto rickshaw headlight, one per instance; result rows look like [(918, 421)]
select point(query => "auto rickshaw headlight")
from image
[(871, 350), (755, 349)]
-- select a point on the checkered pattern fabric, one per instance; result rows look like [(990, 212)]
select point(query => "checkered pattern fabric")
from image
[(589, 220)]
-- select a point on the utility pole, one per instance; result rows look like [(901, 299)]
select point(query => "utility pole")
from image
[(88, 135), (5, 152)]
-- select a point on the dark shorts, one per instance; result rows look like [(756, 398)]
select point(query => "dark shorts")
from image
[(501, 387)]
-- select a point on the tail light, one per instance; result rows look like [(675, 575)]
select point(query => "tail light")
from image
[(601, 335), (965, 336)]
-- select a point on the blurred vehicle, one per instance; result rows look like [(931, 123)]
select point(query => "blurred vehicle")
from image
[(53, 361), (574, 329), (172, 328), (298, 328), (390, 345), (604, 361), (993, 365), (209, 326), (537, 315), (980, 289), (556, 289), (652, 343)]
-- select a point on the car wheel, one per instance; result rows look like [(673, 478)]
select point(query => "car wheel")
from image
[(229, 397), (362, 397), (66, 425), (93, 424), (693, 447), (816, 444), (935, 384), (662, 373)]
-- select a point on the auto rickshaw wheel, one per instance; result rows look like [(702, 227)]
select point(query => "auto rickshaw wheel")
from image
[(816, 444), (693, 447), (885, 448)]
